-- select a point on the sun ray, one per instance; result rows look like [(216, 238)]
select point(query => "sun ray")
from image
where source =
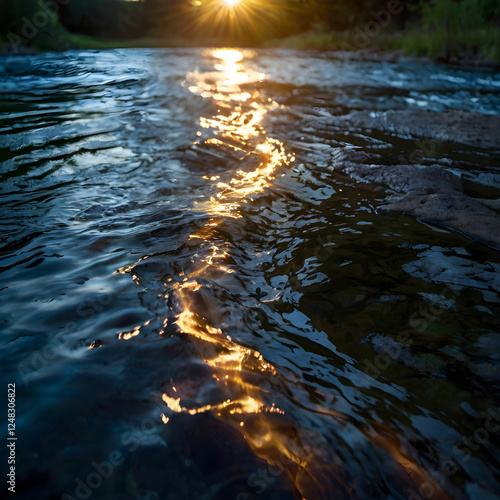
[(235, 21)]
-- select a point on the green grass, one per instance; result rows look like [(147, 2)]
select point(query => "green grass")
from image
[(88, 42), (67, 41), (483, 43)]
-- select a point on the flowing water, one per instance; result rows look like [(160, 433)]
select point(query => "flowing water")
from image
[(195, 306)]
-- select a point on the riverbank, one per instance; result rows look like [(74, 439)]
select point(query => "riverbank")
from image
[(84, 42), (469, 47), (403, 48)]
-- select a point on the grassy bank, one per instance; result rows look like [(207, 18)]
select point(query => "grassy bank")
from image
[(479, 44), (75, 41), (475, 46), (88, 42)]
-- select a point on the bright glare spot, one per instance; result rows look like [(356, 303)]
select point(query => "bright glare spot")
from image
[(231, 3), (229, 56)]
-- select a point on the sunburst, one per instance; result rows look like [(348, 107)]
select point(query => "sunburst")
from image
[(233, 21)]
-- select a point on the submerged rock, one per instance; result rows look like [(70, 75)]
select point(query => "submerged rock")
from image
[(441, 265), (455, 210), (465, 200), (456, 126), (407, 178), (430, 192)]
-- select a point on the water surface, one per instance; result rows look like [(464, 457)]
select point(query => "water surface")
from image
[(191, 294)]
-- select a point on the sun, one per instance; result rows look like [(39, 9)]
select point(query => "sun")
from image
[(235, 21)]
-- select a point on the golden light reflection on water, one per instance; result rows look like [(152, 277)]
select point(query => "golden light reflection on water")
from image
[(240, 130), (242, 374)]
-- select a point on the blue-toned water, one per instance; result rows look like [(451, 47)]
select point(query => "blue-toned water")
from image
[(196, 303)]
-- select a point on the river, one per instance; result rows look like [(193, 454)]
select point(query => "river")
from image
[(209, 289)]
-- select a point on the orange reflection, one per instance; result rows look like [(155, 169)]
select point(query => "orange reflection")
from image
[(240, 130), (134, 332), (243, 378), (240, 372)]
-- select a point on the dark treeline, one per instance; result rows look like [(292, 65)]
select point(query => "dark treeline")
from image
[(60, 24), (251, 20)]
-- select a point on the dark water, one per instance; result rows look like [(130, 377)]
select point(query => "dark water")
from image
[(194, 306)]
